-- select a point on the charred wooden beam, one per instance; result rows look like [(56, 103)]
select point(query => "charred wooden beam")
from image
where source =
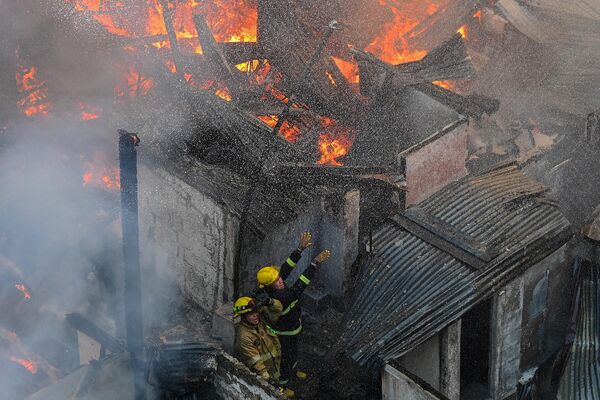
[(344, 177), (239, 52), (288, 37), (167, 17), (92, 330), (445, 241), (447, 61), (211, 49), (131, 258), (212, 117), (442, 24), (316, 55), (473, 105)]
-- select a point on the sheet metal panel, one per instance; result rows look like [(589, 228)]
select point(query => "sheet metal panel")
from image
[(408, 290)]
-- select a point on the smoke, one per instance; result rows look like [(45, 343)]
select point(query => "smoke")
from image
[(60, 228)]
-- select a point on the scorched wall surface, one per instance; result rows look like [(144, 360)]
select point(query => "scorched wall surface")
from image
[(185, 240)]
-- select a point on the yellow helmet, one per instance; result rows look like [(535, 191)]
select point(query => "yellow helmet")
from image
[(267, 275), (243, 305)]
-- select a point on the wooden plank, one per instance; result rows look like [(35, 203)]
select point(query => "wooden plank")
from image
[(447, 61), (213, 52), (464, 252)]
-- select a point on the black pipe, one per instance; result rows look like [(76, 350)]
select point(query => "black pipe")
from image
[(131, 258)]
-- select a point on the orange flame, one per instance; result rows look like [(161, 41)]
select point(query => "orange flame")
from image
[(23, 289), (101, 173), (88, 112), (232, 20), (133, 83), (229, 20), (390, 45), (348, 68), (477, 15), (223, 93), (335, 143), (97, 11), (331, 150), (34, 91), (445, 84), (31, 366), (288, 131)]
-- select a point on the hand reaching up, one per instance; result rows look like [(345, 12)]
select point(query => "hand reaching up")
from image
[(305, 241), (322, 257)]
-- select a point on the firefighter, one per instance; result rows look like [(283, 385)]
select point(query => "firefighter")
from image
[(289, 325), (257, 347)]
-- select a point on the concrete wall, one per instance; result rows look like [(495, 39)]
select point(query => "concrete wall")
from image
[(396, 385), (529, 319), (430, 167), (506, 339), (186, 241), (546, 308), (450, 360), (424, 361), (234, 381)]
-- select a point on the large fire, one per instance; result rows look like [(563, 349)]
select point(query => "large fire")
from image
[(229, 21), (390, 45), (133, 83)]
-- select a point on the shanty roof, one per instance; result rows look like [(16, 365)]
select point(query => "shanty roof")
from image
[(581, 377), (432, 263)]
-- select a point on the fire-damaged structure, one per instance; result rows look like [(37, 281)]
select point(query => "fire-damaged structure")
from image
[(379, 131), (483, 251)]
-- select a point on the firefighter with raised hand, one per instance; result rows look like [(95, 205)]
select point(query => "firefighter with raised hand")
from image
[(257, 347), (289, 325)]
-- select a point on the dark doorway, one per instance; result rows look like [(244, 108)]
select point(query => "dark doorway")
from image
[(475, 352)]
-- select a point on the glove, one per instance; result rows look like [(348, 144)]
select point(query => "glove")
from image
[(261, 298), (322, 257), (305, 241)]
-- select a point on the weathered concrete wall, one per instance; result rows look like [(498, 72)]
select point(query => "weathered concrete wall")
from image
[(424, 361), (333, 221), (506, 339), (546, 307), (430, 167), (235, 382), (396, 385), (450, 361), (186, 240)]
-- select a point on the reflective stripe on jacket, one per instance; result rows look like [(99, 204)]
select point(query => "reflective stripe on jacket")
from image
[(258, 348)]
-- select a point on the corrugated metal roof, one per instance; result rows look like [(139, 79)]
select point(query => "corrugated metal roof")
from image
[(409, 289), (581, 378)]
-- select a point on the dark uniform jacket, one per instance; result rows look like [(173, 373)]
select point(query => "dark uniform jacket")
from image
[(289, 320)]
